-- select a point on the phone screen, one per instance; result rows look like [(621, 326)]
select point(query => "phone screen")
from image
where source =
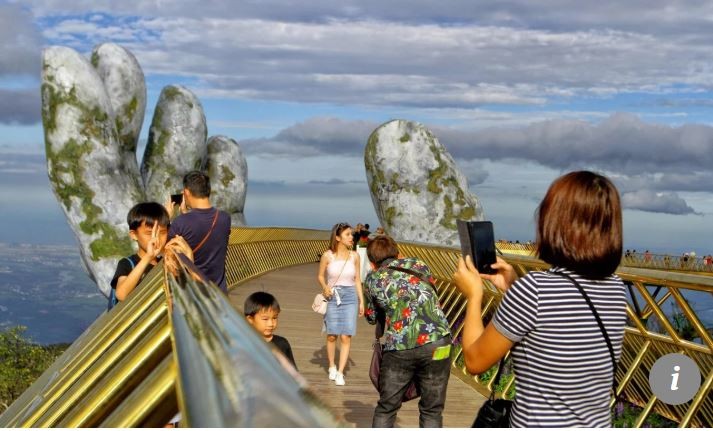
[(478, 241), (177, 198)]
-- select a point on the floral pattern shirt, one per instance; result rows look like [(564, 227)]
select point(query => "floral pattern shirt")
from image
[(413, 314)]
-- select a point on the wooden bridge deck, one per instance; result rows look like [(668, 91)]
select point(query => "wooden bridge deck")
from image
[(354, 403)]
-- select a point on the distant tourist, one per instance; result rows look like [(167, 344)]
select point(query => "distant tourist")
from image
[(205, 228), (579, 233), (400, 297), (262, 310), (342, 287), (148, 226), (647, 256), (356, 233)]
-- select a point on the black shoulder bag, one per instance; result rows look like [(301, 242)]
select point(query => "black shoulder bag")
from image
[(496, 413)]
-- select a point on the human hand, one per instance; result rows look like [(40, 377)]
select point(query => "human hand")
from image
[(153, 248), (184, 207), (467, 279), (361, 309), (178, 244), (169, 205), (327, 292), (504, 277)]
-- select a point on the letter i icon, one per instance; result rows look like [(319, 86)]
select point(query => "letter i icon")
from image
[(674, 381)]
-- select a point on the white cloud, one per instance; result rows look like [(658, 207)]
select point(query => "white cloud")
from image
[(648, 200)]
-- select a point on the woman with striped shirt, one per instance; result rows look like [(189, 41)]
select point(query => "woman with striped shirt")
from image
[(562, 363)]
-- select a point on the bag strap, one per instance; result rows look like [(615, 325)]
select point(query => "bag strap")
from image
[(205, 238), (131, 261), (496, 379), (599, 322)]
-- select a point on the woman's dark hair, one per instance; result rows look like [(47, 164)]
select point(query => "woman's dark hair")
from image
[(149, 213), (579, 225), (337, 230), (381, 248), (197, 183), (259, 301)]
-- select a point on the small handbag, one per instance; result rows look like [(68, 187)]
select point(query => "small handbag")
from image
[(494, 413), (319, 305)]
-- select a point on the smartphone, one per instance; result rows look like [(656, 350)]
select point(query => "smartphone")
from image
[(478, 242), (177, 199)]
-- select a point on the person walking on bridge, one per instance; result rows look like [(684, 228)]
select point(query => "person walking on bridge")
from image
[(342, 288), (205, 228)]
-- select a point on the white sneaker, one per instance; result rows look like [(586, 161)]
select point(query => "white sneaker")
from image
[(339, 380), (332, 373)]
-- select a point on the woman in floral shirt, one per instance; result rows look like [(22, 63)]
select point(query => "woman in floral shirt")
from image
[(417, 338)]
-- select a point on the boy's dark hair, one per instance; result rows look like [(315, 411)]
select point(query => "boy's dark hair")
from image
[(381, 248), (197, 183), (147, 212), (579, 225), (260, 301), (366, 226)]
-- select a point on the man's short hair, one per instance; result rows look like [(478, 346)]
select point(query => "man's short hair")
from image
[(579, 225), (381, 248), (197, 183), (149, 213), (259, 301)]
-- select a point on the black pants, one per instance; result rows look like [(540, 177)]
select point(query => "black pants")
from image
[(398, 368)]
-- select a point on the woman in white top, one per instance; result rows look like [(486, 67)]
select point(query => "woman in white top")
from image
[(342, 288)]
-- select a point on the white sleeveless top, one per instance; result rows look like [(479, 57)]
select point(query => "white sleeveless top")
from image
[(334, 268)]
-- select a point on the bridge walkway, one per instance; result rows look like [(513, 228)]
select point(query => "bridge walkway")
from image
[(294, 288)]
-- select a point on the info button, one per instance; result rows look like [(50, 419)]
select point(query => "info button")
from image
[(675, 378)]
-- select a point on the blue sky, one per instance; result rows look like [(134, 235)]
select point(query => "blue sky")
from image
[(519, 92)]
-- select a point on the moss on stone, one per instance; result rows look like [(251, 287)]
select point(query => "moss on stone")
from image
[(95, 59), (171, 92), (389, 215), (405, 138), (226, 176), (66, 171)]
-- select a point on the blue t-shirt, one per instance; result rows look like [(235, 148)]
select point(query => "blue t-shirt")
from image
[(210, 258)]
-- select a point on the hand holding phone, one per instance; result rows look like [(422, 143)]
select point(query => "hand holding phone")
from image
[(478, 241), (177, 198)]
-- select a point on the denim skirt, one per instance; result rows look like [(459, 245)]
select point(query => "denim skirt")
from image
[(341, 319)]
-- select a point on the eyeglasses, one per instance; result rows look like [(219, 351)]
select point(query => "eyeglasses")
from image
[(342, 225)]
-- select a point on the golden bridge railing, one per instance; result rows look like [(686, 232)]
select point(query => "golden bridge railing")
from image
[(651, 333), (121, 372), (632, 259), (134, 365)]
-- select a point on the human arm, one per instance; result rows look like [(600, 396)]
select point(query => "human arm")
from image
[(323, 262), (482, 347), (357, 281)]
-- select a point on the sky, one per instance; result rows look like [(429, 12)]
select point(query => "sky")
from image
[(519, 92)]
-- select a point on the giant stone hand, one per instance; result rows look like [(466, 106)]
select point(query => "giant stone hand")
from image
[(417, 190), (92, 114)]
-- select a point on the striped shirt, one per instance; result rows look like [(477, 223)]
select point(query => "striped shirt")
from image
[(562, 365)]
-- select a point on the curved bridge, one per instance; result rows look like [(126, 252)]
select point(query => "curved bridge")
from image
[(178, 344)]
